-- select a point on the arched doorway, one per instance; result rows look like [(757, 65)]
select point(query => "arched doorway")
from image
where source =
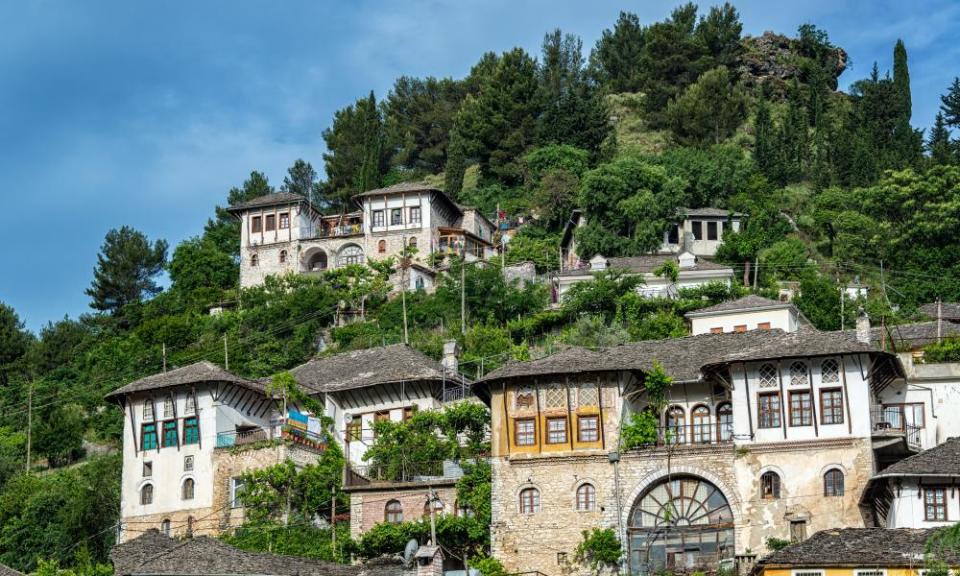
[(316, 261), (683, 523)]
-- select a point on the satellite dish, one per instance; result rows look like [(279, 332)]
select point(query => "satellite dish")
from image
[(409, 550)]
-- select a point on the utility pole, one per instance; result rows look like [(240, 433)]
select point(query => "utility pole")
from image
[(333, 518), (841, 303), (433, 522), (403, 287), (29, 422), (756, 271), (226, 354), (164, 356), (939, 320), (463, 289), (883, 285)]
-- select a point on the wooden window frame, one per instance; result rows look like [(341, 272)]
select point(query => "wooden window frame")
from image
[(143, 491), (415, 215), (147, 471), (355, 428), (926, 504), (382, 247), (256, 224), (715, 229), (391, 514), (703, 428), (722, 409), (775, 485), (773, 411), (808, 412), (184, 495), (565, 431), (166, 427), (836, 409), (763, 326), (595, 430), (283, 221), (270, 223), (830, 486), (408, 412), (396, 216), (144, 435), (740, 328), (586, 498), (378, 219), (529, 501), (696, 227), (716, 330), (189, 427), (517, 434), (283, 256)]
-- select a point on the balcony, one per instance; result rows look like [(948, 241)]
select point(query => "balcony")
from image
[(245, 437), (314, 232), (242, 437), (893, 436), (692, 435), (366, 474)]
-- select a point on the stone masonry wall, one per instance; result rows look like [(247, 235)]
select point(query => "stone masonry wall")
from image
[(368, 509)]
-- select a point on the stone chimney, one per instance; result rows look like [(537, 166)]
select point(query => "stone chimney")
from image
[(451, 352), (863, 327)]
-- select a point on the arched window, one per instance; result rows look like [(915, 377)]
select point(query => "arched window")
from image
[(350, 254), (529, 501), (676, 425), (283, 256), (317, 261), (724, 422), (146, 494), (770, 486), (187, 489), (833, 483), (191, 405), (437, 508), (586, 498), (830, 371), (165, 527), (381, 246), (700, 418), (798, 374), (168, 407), (768, 376), (148, 410), (413, 242), (393, 513), (254, 260)]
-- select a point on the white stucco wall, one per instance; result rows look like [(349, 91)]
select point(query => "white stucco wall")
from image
[(783, 319), (907, 507)]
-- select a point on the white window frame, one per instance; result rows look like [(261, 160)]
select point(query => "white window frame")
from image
[(233, 491)]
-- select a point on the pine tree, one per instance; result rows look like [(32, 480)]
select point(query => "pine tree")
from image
[(301, 179), (901, 80), (939, 145), (763, 147), (126, 269), (357, 155), (950, 104), (456, 165)]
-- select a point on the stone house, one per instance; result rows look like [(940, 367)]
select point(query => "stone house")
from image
[(374, 502), (751, 312), (764, 434), (283, 233)]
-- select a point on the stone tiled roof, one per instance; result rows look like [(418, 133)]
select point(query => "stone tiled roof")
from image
[(369, 367), (749, 302), (156, 555), (646, 264), (401, 187), (197, 373), (941, 460), (948, 310), (268, 200), (8, 571), (714, 212), (911, 336), (857, 547)]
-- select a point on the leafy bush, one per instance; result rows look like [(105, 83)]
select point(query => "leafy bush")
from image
[(774, 544), (947, 350), (600, 548)]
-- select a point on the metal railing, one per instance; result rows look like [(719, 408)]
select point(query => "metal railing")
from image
[(893, 420), (241, 437), (332, 231), (693, 434), (363, 474), (280, 430)]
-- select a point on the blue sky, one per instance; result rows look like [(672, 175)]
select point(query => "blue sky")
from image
[(145, 113)]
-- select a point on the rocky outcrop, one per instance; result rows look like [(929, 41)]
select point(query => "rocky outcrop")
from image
[(774, 61)]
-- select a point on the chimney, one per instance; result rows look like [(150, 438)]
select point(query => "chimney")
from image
[(450, 353), (863, 327)]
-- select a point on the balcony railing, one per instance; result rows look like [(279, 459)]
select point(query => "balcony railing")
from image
[(331, 231), (893, 421), (281, 430), (242, 437), (693, 434)]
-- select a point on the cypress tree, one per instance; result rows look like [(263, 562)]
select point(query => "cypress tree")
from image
[(763, 147), (456, 165), (901, 80)]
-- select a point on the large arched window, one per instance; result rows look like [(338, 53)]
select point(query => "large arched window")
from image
[(700, 420), (833, 483), (724, 422), (317, 261), (681, 523), (350, 254), (146, 494), (586, 498), (393, 512), (529, 501), (187, 489), (770, 486), (676, 425)]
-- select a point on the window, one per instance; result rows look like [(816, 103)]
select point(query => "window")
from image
[(354, 428), (382, 416), (716, 330), (148, 436), (254, 260), (831, 406), (725, 422), (191, 405), (768, 376), (700, 418), (557, 430), (408, 412), (770, 486), (833, 483), (393, 512), (168, 411), (874, 572), (189, 526), (236, 492), (798, 530), (378, 221), (586, 498), (529, 501), (284, 220), (147, 469), (808, 573), (798, 374), (283, 256), (170, 433), (271, 223), (768, 410), (588, 428), (934, 503), (412, 242), (191, 430), (697, 229), (414, 214), (396, 216), (525, 432), (676, 429), (187, 463), (187, 489), (801, 410), (553, 396), (763, 326), (256, 224), (740, 328), (165, 527), (673, 235), (711, 230), (350, 254), (381, 246), (524, 398), (588, 395), (146, 494), (829, 371), (148, 411)]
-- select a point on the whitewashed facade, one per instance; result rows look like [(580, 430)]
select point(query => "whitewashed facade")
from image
[(747, 313)]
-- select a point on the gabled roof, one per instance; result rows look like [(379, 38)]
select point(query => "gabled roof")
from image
[(857, 547), (647, 263), (910, 336), (370, 367), (8, 571), (942, 460), (274, 199), (154, 554), (749, 302), (707, 212), (948, 310), (196, 373), (402, 187)]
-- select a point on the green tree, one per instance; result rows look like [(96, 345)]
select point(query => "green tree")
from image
[(456, 165), (127, 267), (302, 179), (764, 151), (950, 104), (615, 62), (198, 263), (357, 152), (709, 111), (224, 229), (939, 146), (14, 340), (59, 434), (901, 81), (561, 71), (290, 494), (601, 295), (419, 115)]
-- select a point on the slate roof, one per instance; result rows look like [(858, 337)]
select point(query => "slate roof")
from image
[(370, 367), (857, 547), (196, 373), (941, 460), (749, 302), (948, 310), (401, 187), (710, 212), (8, 571), (646, 264), (911, 336), (268, 200), (153, 554)]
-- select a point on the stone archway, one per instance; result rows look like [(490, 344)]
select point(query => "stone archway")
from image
[(315, 260)]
